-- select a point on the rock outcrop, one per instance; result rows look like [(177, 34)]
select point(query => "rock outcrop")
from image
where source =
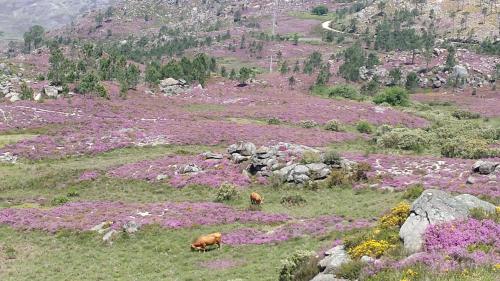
[(435, 207)]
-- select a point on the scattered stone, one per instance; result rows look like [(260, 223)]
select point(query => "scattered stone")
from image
[(242, 148), (211, 155), (108, 237), (367, 259), (334, 258), (471, 180), (171, 87), (484, 167), (102, 227), (161, 177), (131, 227), (7, 157), (190, 168)]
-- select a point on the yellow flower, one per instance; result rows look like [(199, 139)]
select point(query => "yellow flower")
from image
[(410, 272), (497, 266), (371, 248), (397, 216)]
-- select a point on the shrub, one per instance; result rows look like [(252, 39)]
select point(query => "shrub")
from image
[(364, 127), (338, 178), (350, 270), (300, 266), (320, 10), (226, 192), (308, 124), (344, 91), (331, 157), (413, 192), (72, 192), (463, 114), (371, 248), (406, 139), (26, 92), (481, 214), (397, 216), (334, 125), (273, 121), (310, 157), (467, 148), (293, 200), (360, 172), (59, 200), (394, 96)]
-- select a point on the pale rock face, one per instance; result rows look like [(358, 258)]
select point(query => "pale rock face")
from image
[(334, 258), (436, 207)]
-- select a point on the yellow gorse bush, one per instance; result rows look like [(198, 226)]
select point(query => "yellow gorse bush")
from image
[(397, 215), (371, 248)]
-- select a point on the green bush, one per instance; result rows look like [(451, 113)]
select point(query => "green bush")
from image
[(344, 91), (481, 214), (273, 121), (310, 157), (413, 192), (226, 192), (334, 125), (406, 139), (59, 200), (364, 127), (350, 270), (394, 96), (320, 10), (300, 266), (463, 114), (308, 124), (331, 157), (464, 147)]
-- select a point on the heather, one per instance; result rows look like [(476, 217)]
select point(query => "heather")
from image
[(403, 171)]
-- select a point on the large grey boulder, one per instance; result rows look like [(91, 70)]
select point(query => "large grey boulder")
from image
[(472, 202), (484, 167), (242, 148), (326, 277), (334, 258), (436, 207), (459, 71)]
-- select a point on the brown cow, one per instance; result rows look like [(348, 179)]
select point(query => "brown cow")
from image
[(207, 240), (256, 199)]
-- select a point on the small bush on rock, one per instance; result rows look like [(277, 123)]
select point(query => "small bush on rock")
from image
[(310, 157), (413, 192), (273, 121), (332, 158), (226, 192), (300, 266)]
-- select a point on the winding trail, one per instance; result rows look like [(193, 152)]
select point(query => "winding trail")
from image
[(326, 25)]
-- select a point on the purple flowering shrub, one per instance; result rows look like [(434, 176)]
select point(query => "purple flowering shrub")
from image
[(312, 227), (448, 174), (213, 174), (85, 215)]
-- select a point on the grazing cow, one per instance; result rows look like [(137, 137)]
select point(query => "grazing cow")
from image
[(207, 240), (256, 199)]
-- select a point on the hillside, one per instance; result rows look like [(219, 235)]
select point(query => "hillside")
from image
[(242, 140)]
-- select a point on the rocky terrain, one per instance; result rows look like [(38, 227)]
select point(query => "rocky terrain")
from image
[(287, 140)]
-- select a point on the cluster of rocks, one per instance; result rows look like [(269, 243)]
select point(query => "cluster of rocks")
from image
[(283, 160), (7, 157), (172, 87), (333, 260), (436, 207), (105, 228), (482, 167)]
